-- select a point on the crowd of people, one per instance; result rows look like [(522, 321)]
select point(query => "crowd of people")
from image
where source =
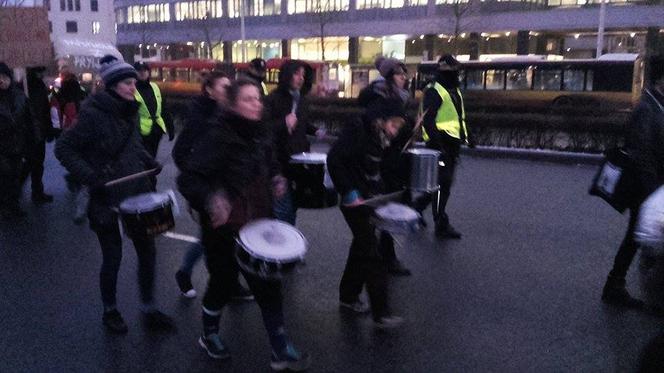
[(233, 155)]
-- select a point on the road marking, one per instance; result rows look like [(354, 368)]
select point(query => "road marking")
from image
[(181, 237)]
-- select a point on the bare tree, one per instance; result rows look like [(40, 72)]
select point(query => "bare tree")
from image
[(324, 13), (461, 10), (212, 40)]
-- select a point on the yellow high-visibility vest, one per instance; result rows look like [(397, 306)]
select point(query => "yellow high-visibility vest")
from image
[(146, 120), (447, 118)]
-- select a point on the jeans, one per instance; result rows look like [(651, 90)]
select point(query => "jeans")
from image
[(111, 248), (284, 208), (365, 264), (219, 247), (193, 254), (628, 247)]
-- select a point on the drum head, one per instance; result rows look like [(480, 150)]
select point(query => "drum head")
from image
[(144, 202), (309, 158), (421, 151), (273, 241), (397, 212)]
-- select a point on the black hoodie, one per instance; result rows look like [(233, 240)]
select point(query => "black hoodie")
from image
[(282, 102)]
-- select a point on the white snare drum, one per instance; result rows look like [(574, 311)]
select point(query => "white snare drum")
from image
[(396, 218), (147, 214), (269, 248), (313, 186)]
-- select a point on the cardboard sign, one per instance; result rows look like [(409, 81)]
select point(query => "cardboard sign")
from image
[(24, 37)]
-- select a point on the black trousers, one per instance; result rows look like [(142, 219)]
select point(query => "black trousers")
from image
[(10, 181), (151, 141), (223, 271), (111, 248), (35, 167), (627, 249), (365, 265)]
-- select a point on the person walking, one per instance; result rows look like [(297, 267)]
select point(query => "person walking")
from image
[(151, 119), (287, 114), (391, 86), (354, 165), (644, 141), (206, 108), (445, 130), (230, 182), (16, 129), (43, 132), (103, 146), (257, 72)]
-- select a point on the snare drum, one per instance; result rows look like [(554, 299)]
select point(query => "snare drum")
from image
[(396, 218), (147, 214), (312, 187), (424, 170), (269, 248)]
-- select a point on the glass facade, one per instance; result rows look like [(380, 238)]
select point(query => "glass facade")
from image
[(316, 6), (188, 10), (336, 49), (264, 49), (147, 13), (254, 8)]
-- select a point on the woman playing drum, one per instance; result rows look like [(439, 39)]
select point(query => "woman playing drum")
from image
[(231, 180), (354, 164)]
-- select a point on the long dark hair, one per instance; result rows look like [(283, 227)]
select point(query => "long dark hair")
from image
[(210, 79)]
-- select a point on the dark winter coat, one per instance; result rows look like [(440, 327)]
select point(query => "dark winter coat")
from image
[(354, 161), (645, 143), (278, 105), (234, 158), (201, 112), (41, 107), (106, 145), (16, 128)]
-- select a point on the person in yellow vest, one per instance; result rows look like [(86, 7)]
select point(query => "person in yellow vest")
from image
[(444, 130), (152, 125), (257, 71)]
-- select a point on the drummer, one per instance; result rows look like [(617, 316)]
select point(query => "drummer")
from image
[(231, 181), (105, 145), (354, 165), (287, 114)]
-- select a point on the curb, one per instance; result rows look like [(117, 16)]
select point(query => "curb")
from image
[(534, 155)]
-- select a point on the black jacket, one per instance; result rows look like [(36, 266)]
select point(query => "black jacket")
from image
[(645, 143), (354, 161), (16, 124), (201, 112), (278, 105), (41, 107), (106, 145), (234, 158)]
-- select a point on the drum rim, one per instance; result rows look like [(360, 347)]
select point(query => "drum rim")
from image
[(423, 151), (308, 160), (156, 207), (272, 260)]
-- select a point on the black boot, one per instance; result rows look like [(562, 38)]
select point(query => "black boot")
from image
[(616, 294), (447, 231), (41, 198)]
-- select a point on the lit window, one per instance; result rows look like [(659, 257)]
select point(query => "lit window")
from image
[(316, 6), (96, 26)]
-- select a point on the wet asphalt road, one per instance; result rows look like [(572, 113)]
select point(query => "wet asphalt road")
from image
[(519, 293)]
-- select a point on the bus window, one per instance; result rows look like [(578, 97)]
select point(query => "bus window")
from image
[(182, 75), (154, 74), (495, 80), (519, 79), (547, 80), (474, 79), (573, 80), (589, 80)]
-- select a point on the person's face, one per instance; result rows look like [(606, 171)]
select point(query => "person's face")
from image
[(5, 82), (218, 91), (297, 80), (143, 75), (126, 89), (248, 103), (400, 78), (391, 127)]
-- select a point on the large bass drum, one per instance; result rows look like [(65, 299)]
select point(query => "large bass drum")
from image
[(312, 185), (269, 248)]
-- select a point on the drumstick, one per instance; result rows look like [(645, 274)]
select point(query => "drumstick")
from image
[(418, 124), (381, 199), (132, 177)]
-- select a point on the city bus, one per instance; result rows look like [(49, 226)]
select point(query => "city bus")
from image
[(182, 78), (610, 83)]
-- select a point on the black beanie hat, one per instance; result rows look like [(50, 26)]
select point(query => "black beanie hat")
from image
[(113, 70)]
